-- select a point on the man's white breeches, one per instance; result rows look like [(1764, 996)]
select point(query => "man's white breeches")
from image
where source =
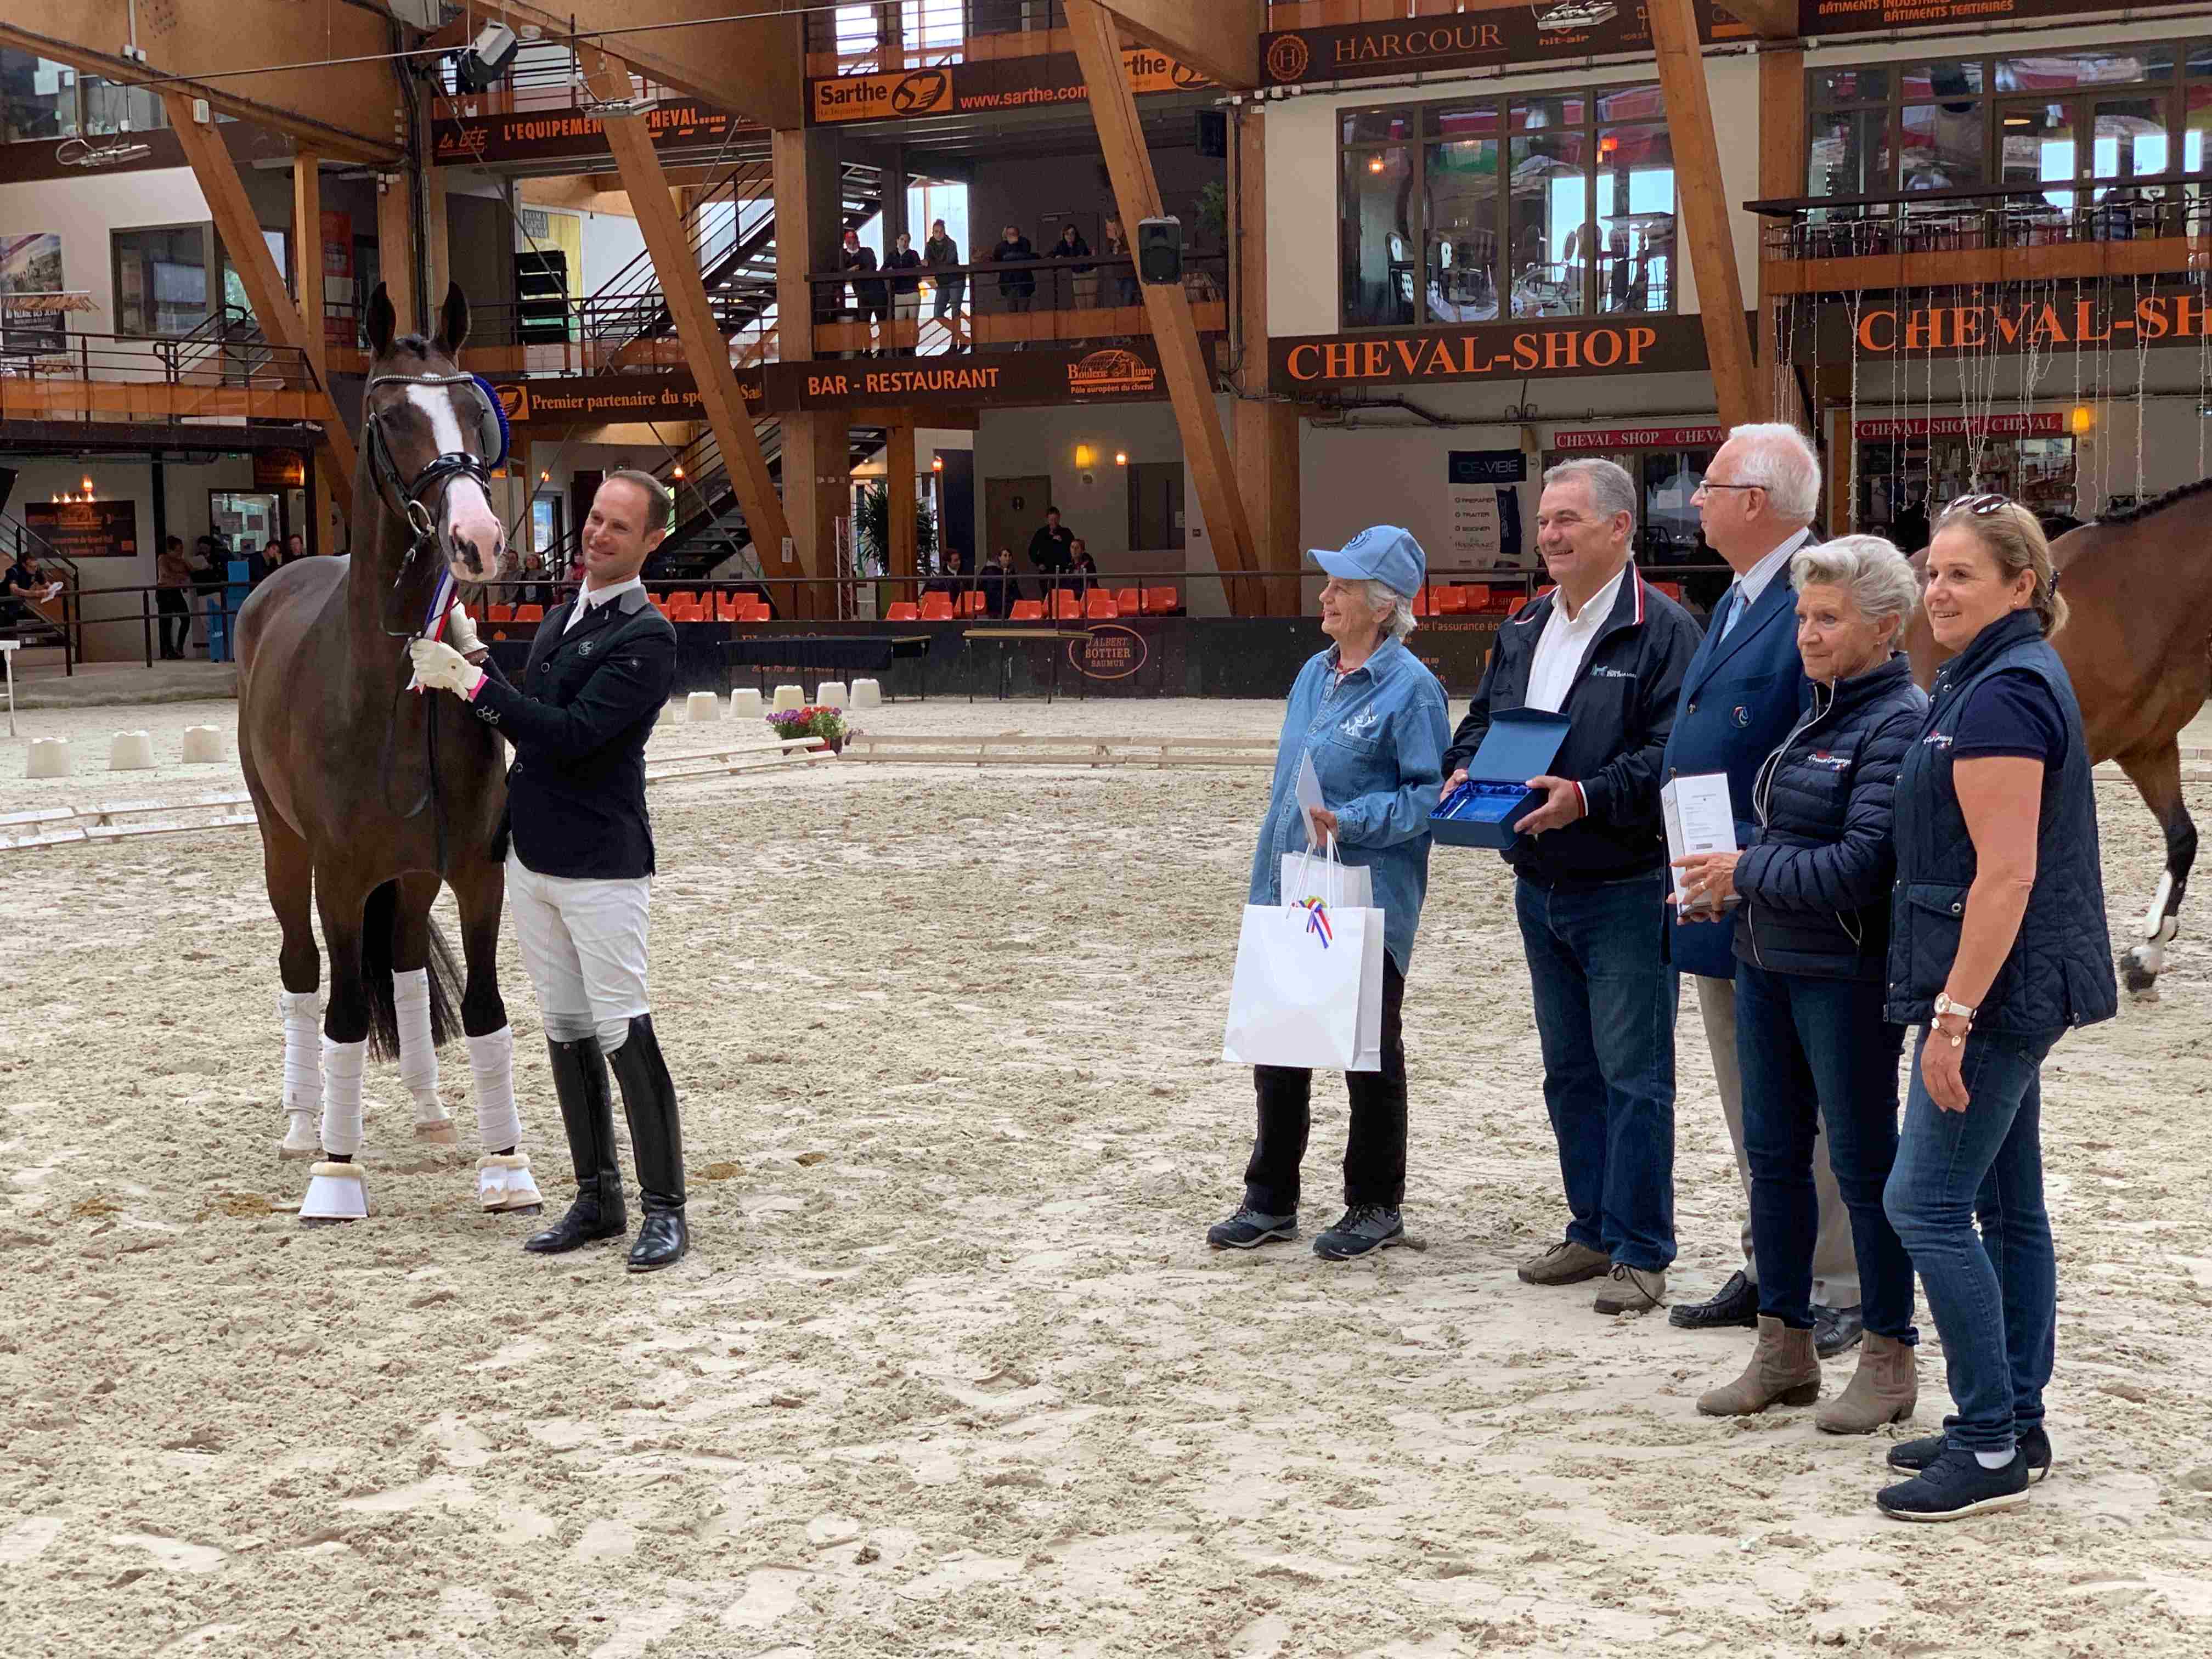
[(584, 946)]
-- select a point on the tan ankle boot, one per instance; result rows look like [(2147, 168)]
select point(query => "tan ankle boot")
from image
[(1884, 1389), (1783, 1371)]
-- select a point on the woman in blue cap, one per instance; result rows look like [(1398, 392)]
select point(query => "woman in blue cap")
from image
[(1373, 719)]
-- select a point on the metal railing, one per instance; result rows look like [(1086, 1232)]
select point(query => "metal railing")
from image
[(2048, 214), (906, 34), (240, 378), (998, 305)]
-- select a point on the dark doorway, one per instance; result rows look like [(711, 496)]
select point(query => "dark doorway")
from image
[(1155, 509)]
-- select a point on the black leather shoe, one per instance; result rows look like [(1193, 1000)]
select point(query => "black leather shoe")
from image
[(1736, 1305), (579, 1082), (656, 1141), (1835, 1329)]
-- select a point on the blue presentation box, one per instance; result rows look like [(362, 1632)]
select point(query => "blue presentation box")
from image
[(1521, 745)]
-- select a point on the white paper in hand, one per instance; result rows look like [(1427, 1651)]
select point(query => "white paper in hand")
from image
[(1308, 788), (1700, 818)]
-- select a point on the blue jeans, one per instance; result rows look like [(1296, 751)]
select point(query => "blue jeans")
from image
[(1818, 1051), (1994, 1294), (1605, 1018)]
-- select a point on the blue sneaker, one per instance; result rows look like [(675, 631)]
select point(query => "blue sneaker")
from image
[(1954, 1486), (1915, 1456), (1360, 1230), (1249, 1229)]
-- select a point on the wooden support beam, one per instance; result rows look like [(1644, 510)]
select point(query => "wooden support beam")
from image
[(241, 230), (395, 248), (1703, 207), (1183, 360), (900, 481), (817, 482), (1782, 147), (1267, 430), (307, 256), (704, 347), (1770, 19), (1220, 38)]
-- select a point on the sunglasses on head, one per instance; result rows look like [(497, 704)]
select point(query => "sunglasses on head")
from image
[(1980, 506)]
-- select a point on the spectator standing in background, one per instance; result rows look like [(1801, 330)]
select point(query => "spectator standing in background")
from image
[(1081, 568), (1001, 588), (906, 292), (295, 547), (1052, 545), (872, 296), (1016, 288), (173, 579), (1125, 281), (1071, 246), (940, 252), (256, 564)]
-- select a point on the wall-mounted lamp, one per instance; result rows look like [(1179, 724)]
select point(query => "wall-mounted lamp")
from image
[(937, 464), (679, 474), (1374, 164), (1121, 457), (87, 490), (2082, 418), (545, 478), (1085, 457)]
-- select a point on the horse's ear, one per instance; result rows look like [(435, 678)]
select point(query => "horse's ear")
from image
[(452, 321), (383, 323)]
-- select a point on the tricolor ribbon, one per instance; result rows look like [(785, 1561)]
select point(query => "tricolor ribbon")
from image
[(434, 619), (1317, 919)]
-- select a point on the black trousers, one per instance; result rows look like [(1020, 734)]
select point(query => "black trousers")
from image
[(1373, 1150), (170, 602)]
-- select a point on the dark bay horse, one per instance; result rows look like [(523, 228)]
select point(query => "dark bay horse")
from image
[(2138, 645), (369, 796)]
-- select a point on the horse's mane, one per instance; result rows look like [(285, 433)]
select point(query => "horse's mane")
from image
[(2157, 503)]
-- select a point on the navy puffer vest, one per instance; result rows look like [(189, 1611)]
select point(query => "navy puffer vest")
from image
[(2060, 971)]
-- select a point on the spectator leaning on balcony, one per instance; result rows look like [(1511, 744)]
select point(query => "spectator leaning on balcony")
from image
[(940, 252), (871, 295), (1071, 246), (1016, 288), (1742, 696), (1607, 651), (1125, 280), (1373, 719), (906, 292)]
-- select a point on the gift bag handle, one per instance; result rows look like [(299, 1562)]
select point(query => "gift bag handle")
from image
[(1335, 898)]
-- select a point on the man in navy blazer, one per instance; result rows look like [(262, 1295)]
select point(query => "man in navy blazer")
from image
[(1744, 691)]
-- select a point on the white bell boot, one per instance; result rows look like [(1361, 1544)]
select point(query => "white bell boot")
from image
[(506, 1186), (336, 1192)]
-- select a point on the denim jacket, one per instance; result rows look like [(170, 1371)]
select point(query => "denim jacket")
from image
[(1377, 743)]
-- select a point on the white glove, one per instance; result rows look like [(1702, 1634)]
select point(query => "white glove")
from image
[(461, 631), (441, 668)]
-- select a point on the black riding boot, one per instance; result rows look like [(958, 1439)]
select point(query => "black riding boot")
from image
[(580, 1079), (656, 1140)]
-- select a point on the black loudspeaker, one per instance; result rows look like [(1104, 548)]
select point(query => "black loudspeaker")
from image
[(1160, 250), (1213, 133)]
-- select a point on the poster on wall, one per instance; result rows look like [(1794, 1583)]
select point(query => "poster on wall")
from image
[(86, 530), (1478, 483), (31, 264)]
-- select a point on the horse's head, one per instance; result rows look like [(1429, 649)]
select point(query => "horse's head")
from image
[(432, 434)]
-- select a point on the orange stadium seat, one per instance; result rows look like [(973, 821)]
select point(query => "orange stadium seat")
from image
[(1027, 611), (904, 611), (529, 613), (937, 607), (972, 604), (1066, 607), (1161, 602), (1128, 601), (1098, 606), (1478, 595), (502, 613), (726, 608), (1421, 602)]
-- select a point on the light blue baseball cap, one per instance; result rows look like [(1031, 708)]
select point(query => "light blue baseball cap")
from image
[(1381, 553)]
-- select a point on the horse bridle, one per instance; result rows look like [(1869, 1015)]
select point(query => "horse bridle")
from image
[(406, 497)]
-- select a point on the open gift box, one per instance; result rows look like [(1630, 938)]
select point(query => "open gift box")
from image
[(1520, 744)]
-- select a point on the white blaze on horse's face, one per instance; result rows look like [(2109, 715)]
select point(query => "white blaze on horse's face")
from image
[(469, 533)]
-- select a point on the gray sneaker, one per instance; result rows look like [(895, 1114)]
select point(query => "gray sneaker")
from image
[(1361, 1230), (1565, 1263), (1632, 1290), (1249, 1229)]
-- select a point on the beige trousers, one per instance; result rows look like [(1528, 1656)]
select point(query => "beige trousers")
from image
[(1835, 1264)]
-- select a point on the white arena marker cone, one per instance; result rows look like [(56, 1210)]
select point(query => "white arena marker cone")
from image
[(788, 697), (335, 1193), (866, 694), (203, 745), (703, 706), (744, 702), (830, 694), (49, 758), (670, 714), (131, 752)]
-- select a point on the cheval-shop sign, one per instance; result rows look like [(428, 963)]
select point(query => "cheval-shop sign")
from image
[(2017, 324), (1554, 347)]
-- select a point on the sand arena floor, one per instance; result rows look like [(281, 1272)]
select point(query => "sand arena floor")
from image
[(951, 1371)]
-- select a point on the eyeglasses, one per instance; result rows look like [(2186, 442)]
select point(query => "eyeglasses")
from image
[(1708, 485), (1981, 505)]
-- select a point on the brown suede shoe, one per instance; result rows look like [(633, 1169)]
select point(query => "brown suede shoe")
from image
[(1632, 1290), (1783, 1371), (1884, 1389), (1565, 1263)]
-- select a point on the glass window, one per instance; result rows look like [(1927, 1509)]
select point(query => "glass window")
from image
[(37, 99), (1552, 235), (1553, 110), (1377, 126), (111, 108), (2196, 123), (1850, 86), (2062, 69), (1849, 155), (1377, 235), (1959, 78), (1458, 121), (1939, 147), (2127, 137), (1461, 213), (233, 285), (1632, 104), (2036, 142), (1635, 211), (160, 279)]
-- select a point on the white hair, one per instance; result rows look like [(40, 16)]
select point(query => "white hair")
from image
[(1779, 459), (1395, 609), (1611, 489), (1878, 577)]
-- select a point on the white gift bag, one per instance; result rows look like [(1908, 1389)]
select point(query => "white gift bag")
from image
[(1359, 882), (1308, 990)]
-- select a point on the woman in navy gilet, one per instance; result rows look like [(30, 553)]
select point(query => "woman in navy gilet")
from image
[(1997, 947)]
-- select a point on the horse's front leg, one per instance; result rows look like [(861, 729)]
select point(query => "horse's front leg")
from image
[(504, 1182), (412, 967), (2157, 775), (335, 1190)]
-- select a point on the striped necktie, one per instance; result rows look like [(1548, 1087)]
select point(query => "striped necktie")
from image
[(1732, 607)]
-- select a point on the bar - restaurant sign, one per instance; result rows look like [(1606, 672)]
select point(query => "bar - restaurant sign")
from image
[(539, 135), (1549, 347), (1516, 34), (991, 83)]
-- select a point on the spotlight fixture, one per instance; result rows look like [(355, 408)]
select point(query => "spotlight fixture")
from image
[(1121, 457), (544, 478), (679, 474), (937, 464), (481, 65), (77, 153)]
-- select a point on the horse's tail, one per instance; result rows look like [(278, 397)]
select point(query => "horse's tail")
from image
[(378, 923)]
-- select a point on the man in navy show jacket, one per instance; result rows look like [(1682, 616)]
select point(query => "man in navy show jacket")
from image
[(1744, 690)]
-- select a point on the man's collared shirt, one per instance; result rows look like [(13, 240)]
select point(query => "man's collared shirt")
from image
[(1744, 592), (591, 599), (1565, 641)]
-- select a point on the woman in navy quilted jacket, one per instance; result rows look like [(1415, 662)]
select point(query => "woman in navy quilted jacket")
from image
[(1815, 1046)]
